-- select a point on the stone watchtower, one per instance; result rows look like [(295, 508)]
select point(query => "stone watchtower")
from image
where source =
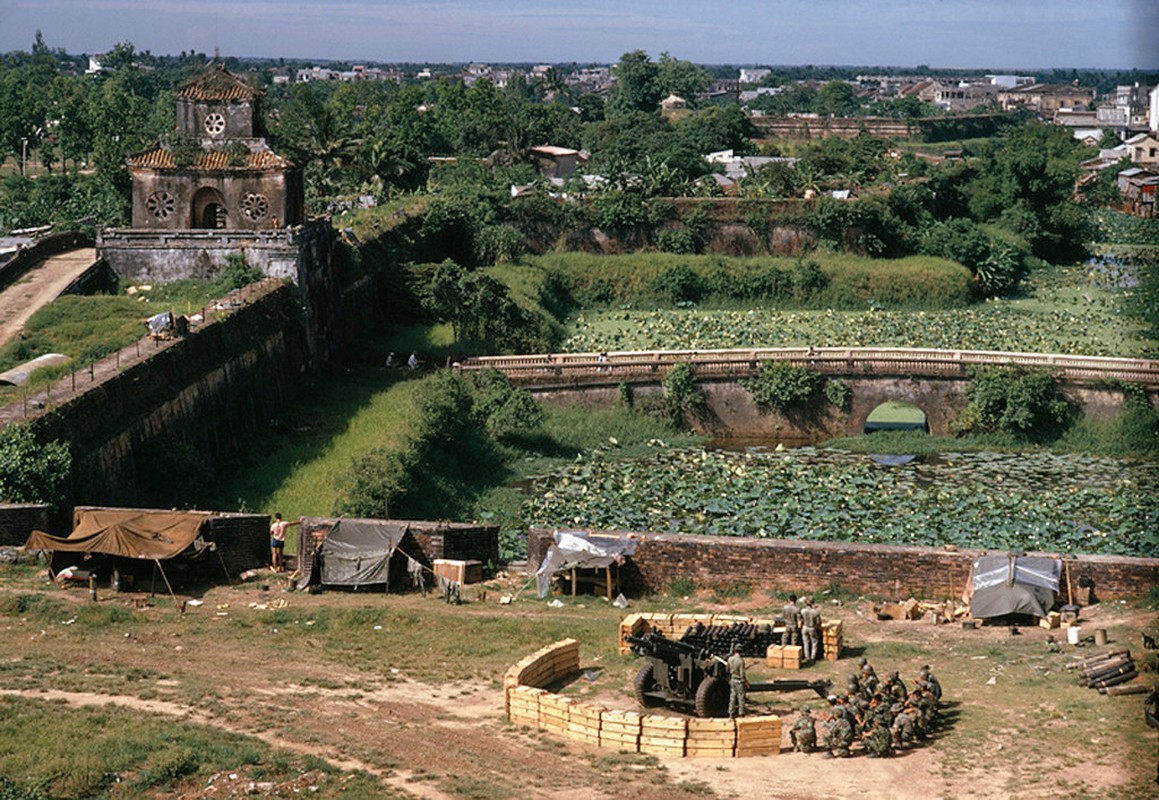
[(216, 171)]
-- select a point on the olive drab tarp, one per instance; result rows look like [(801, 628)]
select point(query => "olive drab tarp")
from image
[(1010, 584), (148, 535), (355, 554)]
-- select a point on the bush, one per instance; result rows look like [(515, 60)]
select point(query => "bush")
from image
[(782, 386), (1024, 403), (31, 472), (501, 408), (838, 393), (680, 241), (679, 284), (681, 394)]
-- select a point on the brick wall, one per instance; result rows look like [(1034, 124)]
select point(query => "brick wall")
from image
[(884, 570), (19, 520)]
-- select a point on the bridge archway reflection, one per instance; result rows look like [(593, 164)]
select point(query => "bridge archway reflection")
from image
[(896, 415)]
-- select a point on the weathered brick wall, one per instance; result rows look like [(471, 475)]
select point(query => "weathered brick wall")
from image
[(884, 570), (243, 540), (19, 520), (458, 540)]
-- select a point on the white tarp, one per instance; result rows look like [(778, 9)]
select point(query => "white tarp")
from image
[(580, 549), (1009, 584)]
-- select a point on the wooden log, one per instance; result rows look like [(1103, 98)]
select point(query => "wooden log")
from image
[(1082, 663), (1116, 680), (1135, 688)]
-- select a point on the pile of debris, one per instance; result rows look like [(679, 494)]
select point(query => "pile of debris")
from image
[(1107, 672), (912, 609)]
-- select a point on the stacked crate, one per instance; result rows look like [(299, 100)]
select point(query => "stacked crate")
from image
[(554, 713), (620, 730), (663, 736), (711, 738), (775, 656), (584, 725), (792, 656), (545, 666), (523, 705), (832, 640), (758, 736)]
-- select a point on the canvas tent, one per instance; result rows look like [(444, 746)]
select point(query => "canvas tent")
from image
[(580, 549), (128, 533), (1012, 584), (356, 554)]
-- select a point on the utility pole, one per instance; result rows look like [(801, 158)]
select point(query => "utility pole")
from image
[(23, 156)]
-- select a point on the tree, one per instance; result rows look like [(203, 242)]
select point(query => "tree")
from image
[(836, 99), (637, 84), (31, 472), (681, 78)]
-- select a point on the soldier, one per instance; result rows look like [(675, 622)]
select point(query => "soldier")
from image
[(869, 679), (878, 741), (792, 616), (737, 684), (804, 732), (895, 686), (811, 629), (928, 677), (903, 725), (839, 735)]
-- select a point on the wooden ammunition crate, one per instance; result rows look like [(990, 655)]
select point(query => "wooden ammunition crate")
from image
[(620, 730), (758, 736), (461, 571), (663, 736)]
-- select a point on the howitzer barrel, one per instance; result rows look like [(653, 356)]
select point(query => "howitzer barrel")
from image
[(655, 644)]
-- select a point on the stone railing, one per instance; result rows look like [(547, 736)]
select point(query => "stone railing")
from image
[(529, 703), (639, 365)]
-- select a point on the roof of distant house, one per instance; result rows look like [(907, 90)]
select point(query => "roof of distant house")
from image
[(554, 152), (217, 84)]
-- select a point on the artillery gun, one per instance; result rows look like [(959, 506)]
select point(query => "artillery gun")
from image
[(684, 675)]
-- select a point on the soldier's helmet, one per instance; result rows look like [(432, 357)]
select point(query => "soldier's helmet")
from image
[(893, 676), (735, 647), (861, 662), (924, 673), (805, 711)]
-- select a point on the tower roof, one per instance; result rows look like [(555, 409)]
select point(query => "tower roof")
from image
[(217, 84)]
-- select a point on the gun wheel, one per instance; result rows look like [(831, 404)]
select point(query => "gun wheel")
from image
[(712, 697), (646, 683)]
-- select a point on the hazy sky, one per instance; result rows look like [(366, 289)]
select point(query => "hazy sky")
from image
[(945, 33)]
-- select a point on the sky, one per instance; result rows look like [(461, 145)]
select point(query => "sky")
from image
[(994, 34)]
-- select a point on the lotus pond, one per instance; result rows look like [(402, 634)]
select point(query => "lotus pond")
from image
[(1068, 310), (1035, 501)]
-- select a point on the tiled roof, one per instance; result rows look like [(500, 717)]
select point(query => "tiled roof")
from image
[(217, 84), (209, 160)]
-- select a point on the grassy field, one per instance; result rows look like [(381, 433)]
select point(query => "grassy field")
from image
[(370, 695)]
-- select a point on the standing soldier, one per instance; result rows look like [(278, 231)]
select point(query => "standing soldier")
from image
[(736, 682), (804, 732), (811, 629), (792, 616)]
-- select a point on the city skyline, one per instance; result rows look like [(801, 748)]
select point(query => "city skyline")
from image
[(1012, 34)]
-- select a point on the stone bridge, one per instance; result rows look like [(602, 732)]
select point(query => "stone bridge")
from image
[(934, 381)]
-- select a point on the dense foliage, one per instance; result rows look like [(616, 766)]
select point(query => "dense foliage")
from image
[(1032, 501), (1028, 404), (32, 472)]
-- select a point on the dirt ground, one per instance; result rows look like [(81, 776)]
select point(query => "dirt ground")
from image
[(433, 739)]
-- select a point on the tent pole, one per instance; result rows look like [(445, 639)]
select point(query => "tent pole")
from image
[(166, 577), (153, 585), (224, 568)]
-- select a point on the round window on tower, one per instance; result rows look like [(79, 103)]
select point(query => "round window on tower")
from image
[(161, 204), (215, 124), (255, 206)]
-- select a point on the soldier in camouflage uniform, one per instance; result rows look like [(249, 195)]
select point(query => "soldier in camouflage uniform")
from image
[(839, 735), (804, 732), (895, 686), (934, 685), (792, 616), (878, 741), (903, 726)]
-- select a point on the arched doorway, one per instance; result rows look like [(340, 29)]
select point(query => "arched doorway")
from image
[(896, 415), (209, 209)]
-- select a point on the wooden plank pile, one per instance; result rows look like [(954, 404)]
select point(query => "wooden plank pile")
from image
[(711, 738), (663, 736), (584, 723), (620, 730), (1108, 672), (523, 705), (545, 666), (758, 736), (555, 713)]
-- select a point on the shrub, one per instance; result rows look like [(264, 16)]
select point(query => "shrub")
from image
[(681, 394), (838, 393), (31, 472), (781, 385), (679, 284), (680, 241), (501, 408), (1024, 403)]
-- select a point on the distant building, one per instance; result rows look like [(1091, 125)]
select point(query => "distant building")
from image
[(1143, 148), (556, 162), (1046, 98), (963, 96), (1010, 81), (673, 102), (754, 75)]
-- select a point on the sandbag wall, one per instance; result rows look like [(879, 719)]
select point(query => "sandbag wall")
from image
[(529, 703)]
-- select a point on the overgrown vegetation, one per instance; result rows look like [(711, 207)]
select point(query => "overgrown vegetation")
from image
[(32, 471), (1023, 403)]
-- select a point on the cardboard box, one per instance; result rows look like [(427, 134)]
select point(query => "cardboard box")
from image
[(461, 571)]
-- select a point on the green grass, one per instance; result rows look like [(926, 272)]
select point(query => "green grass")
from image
[(88, 328), (52, 751)]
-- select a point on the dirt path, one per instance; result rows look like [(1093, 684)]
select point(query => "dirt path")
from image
[(40, 285)]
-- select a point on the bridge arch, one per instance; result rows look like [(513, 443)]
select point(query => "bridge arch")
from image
[(897, 415)]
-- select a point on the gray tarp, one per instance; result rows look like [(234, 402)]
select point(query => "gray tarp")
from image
[(357, 554), (1009, 584), (580, 549)]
